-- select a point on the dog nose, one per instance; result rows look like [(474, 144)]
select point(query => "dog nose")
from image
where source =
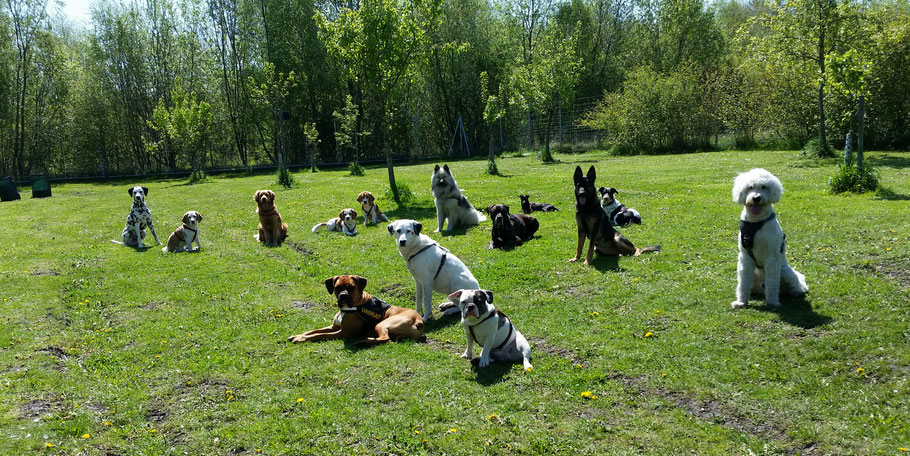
[(402, 243), (756, 198)]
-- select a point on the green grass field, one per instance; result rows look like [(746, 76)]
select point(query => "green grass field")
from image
[(108, 350)]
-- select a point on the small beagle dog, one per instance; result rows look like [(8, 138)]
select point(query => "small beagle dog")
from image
[(371, 213), (181, 240), (346, 223)]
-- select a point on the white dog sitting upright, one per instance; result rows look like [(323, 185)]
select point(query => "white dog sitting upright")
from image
[(346, 223), (450, 203), (139, 218), (762, 241), (493, 330), (432, 266)]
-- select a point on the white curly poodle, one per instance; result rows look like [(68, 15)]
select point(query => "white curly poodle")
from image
[(762, 242)]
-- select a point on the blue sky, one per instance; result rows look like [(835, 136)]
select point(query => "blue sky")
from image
[(76, 10)]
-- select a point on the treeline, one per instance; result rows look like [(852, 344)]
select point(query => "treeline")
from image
[(164, 85)]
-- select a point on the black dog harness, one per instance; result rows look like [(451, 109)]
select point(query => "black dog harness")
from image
[(502, 321), (747, 231), (372, 312), (442, 261)]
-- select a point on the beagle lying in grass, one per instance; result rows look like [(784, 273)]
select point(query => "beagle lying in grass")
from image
[(346, 223)]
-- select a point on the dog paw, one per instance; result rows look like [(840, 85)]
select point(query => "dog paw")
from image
[(466, 355), (436, 230), (587, 262), (737, 304), (572, 260), (428, 316), (297, 339), (483, 363), (773, 304)]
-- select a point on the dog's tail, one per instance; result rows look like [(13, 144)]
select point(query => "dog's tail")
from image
[(383, 217), (480, 216), (649, 249), (317, 226), (117, 242)]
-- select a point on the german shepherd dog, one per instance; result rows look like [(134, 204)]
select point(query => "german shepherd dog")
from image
[(593, 224)]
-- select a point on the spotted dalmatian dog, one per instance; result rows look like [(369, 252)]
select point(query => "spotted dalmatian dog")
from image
[(139, 218)]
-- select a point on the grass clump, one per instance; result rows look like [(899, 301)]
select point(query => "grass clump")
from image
[(355, 169), (815, 148), (850, 178), (284, 178)]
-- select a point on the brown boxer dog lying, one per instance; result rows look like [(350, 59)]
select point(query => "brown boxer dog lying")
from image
[(360, 314)]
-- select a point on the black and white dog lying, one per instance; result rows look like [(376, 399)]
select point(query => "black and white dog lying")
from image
[(498, 338), (139, 218), (617, 213)]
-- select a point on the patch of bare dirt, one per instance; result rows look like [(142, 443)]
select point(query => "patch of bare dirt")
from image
[(305, 305), (564, 353), (300, 248), (395, 290), (718, 413), (896, 269), (157, 415), (37, 407), (45, 272), (56, 352)]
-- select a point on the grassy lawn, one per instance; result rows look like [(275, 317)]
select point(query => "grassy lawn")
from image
[(106, 350)]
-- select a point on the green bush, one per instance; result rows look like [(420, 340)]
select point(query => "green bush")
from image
[(355, 169), (849, 178), (813, 148), (198, 176), (404, 193), (284, 178), (492, 169)]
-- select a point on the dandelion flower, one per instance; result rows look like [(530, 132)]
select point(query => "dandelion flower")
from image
[(227, 392), (86, 435), (648, 334), (49, 445), (579, 366), (154, 431), (587, 395), (416, 431), (278, 315), (902, 448), (860, 370), (493, 417), (595, 313), (230, 397), (425, 440), (299, 400), (108, 423), (452, 431)]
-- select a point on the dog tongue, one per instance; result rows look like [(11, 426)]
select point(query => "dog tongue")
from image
[(582, 200), (755, 210)]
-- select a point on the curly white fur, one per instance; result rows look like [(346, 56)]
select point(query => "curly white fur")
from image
[(758, 190)]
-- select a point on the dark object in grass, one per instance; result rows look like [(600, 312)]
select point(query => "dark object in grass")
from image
[(510, 230), (527, 207), (8, 190), (41, 187)]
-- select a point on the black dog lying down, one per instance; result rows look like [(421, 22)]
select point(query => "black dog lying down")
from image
[(527, 207), (510, 229)]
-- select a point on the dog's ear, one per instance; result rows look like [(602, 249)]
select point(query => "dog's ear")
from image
[(361, 283), (489, 209), (454, 297), (592, 174), (446, 169), (145, 190), (360, 197), (186, 217), (506, 208), (330, 284), (489, 295), (578, 174), (355, 213), (390, 229), (198, 217), (612, 191), (436, 169), (602, 190), (130, 191), (417, 227), (341, 215), (256, 195)]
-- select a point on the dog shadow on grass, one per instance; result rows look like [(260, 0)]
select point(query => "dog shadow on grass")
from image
[(604, 263), (798, 311), (440, 322), (415, 213)]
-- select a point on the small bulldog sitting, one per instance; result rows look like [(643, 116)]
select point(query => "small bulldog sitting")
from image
[(498, 338)]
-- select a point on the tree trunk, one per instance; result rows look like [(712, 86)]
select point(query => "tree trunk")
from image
[(821, 91), (546, 157), (388, 156), (860, 113)]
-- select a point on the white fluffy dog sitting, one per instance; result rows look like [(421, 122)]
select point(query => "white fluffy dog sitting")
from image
[(762, 241)]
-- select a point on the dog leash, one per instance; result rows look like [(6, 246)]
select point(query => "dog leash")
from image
[(504, 341), (442, 261), (747, 231)]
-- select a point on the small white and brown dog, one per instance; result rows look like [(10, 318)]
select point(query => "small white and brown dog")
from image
[(762, 242), (346, 223), (493, 330), (182, 239), (371, 213)]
